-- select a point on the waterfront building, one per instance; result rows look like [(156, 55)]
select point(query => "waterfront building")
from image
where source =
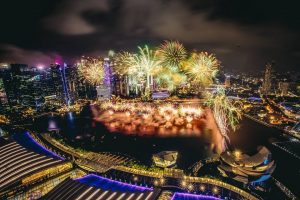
[(165, 159), (23, 163), (96, 187), (247, 169)]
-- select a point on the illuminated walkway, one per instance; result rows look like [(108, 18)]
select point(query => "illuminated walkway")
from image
[(107, 163)]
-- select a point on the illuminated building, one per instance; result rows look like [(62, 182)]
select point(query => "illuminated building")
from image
[(245, 168), (165, 158), (22, 86), (97, 187), (104, 91), (283, 88), (3, 98), (21, 167), (267, 82), (227, 81)]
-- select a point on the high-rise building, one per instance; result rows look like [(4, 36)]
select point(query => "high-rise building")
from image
[(58, 84), (3, 97), (267, 81), (104, 91), (283, 88), (72, 80), (227, 82), (22, 86)]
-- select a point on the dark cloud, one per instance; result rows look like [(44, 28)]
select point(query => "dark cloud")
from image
[(244, 34), (68, 18), (13, 54)]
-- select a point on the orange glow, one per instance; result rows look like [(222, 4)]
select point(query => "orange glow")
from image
[(140, 118)]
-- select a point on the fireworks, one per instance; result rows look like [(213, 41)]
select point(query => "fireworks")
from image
[(171, 55), (91, 70), (140, 67), (168, 79), (124, 64), (202, 68), (146, 62), (225, 112)]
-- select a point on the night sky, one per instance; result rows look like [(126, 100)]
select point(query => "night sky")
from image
[(244, 34)]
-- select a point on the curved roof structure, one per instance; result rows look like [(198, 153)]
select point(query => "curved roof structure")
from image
[(245, 168), (187, 196), (75, 189), (17, 163)]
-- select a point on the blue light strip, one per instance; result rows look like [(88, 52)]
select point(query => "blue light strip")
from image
[(26, 140), (187, 196), (64, 82), (113, 185)]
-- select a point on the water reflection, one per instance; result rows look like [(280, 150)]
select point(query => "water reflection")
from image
[(81, 130)]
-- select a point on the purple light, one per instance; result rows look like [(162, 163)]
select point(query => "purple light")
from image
[(40, 67), (116, 183), (187, 196), (42, 147), (107, 72), (58, 60)]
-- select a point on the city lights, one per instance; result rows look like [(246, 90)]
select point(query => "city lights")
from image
[(149, 100), (183, 183), (215, 190), (202, 188), (40, 67)]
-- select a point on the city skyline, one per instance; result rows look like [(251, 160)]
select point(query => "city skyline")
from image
[(149, 100)]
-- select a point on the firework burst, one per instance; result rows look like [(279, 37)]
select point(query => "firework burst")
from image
[(91, 70), (202, 68), (125, 64), (171, 54), (168, 79), (226, 113), (146, 61)]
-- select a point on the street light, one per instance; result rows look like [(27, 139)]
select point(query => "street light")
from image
[(202, 188), (215, 190)]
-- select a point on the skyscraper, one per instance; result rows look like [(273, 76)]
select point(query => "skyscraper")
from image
[(22, 86), (104, 90), (283, 88), (267, 82), (3, 97)]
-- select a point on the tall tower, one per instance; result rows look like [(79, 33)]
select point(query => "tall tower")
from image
[(104, 90), (267, 82)]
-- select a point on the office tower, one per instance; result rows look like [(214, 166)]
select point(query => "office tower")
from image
[(3, 97), (267, 81), (22, 86), (283, 88), (104, 90)]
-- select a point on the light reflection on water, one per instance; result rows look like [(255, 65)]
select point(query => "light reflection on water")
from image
[(81, 130)]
